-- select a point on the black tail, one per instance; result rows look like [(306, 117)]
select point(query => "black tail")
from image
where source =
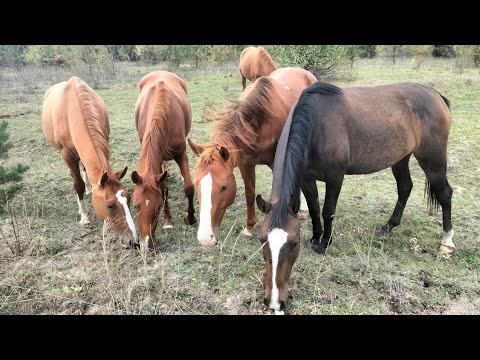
[(298, 144), (447, 102), (432, 202)]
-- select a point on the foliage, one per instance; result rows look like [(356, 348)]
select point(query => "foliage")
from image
[(321, 60)]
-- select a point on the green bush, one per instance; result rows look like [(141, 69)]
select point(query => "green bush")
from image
[(443, 51), (394, 51), (12, 55), (151, 54), (321, 60), (468, 55), (366, 51)]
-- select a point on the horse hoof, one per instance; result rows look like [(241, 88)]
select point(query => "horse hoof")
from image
[(168, 226), (383, 230), (303, 214), (84, 221), (246, 232), (445, 250), (319, 248), (88, 191), (190, 220)]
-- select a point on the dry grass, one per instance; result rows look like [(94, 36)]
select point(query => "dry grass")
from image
[(60, 267)]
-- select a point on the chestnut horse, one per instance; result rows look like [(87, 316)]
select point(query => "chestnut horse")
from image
[(163, 118), (255, 62), (75, 121), (245, 135), (333, 132)]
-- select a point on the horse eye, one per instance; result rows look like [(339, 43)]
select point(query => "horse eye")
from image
[(111, 206), (223, 188), (294, 244)]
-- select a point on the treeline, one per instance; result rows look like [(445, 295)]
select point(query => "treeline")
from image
[(322, 60)]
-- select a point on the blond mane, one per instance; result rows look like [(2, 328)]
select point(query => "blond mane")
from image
[(155, 141), (93, 119)]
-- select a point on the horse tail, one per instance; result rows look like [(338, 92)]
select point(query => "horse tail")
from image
[(432, 202)]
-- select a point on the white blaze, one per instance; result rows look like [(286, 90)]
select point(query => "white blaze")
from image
[(123, 200), (205, 228), (276, 239)]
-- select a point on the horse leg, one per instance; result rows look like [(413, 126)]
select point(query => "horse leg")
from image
[(404, 187), (88, 186), (309, 188), (244, 81), (332, 191), (303, 213), (182, 162), (167, 220), (436, 172), (78, 184), (248, 175)]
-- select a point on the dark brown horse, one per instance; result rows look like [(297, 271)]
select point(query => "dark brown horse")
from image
[(333, 132), (75, 121), (255, 62), (245, 135), (163, 118)]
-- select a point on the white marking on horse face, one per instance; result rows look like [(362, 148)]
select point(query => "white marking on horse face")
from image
[(276, 239), (447, 239), (205, 232), (147, 201), (128, 216)]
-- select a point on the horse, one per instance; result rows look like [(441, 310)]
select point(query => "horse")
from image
[(75, 121), (59, 59), (163, 118), (255, 62), (245, 135), (333, 132)]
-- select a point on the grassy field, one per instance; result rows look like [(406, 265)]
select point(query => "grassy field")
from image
[(61, 267)]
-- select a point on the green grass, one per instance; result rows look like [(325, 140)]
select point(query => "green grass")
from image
[(72, 269)]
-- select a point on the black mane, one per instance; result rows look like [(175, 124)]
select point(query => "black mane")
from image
[(297, 145)]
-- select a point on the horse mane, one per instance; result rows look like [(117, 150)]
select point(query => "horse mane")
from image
[(237, 127), (209, 154), (296, 148), (265, 56), (155, 141), (92, 116)]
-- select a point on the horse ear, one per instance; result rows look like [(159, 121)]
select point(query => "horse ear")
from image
[(224, 153), (294, 203), (103, 179), (263, 205), (121, 174), (197, 149), (136, 179), (161, 178)]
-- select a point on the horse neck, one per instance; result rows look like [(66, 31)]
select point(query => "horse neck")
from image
[(151, 157)]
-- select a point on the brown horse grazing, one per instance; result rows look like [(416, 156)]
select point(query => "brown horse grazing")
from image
[(163, 118), (333, 132), (75, 121), (59, 59), (255, 62), (245, 135)]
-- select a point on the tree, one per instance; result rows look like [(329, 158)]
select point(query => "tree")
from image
[(351, 52), (9, 176), (12, 55), (420, 53), (394, 51), (443, 51), (321, 60), (367, 51)]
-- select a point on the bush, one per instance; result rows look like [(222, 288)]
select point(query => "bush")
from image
[(443, 51), (366, 51), (420, 53), (468, 55), (181, 54), (151, 54), (394, 51), (9, 176), (12, 55), (321, 60)]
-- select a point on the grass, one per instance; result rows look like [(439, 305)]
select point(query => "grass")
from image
[(66, 268)]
